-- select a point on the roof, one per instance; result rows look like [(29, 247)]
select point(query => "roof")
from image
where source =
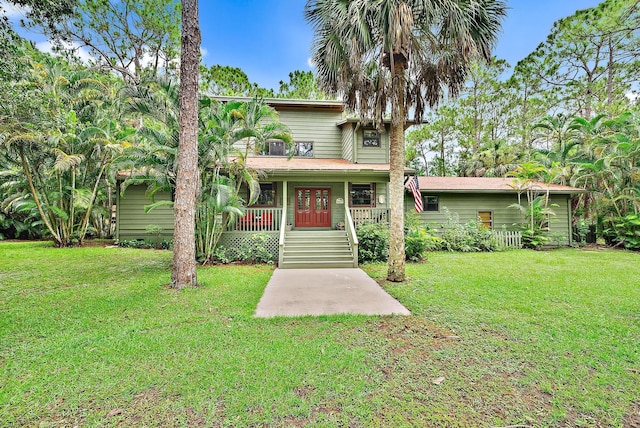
[(371, 123), (284, 103), (488, 185), (332, 165)]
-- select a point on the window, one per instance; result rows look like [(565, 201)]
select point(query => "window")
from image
[(267, 196), (304, 149), (370, 138), (279, 148), (486, 219), (276, 148), (363, 195), (431, 203)]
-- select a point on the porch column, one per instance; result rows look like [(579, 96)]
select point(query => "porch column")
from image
[(285, 198), (346, 194)]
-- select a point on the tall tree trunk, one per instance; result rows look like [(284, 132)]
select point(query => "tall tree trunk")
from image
[(443, 171), (183, 272), (611, 65), (395, 270)]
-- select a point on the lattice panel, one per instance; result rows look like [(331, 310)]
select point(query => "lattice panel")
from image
[(237, 239)]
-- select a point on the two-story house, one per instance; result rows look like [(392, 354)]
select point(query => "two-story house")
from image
[(309, 204)]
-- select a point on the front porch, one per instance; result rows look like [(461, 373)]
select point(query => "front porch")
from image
[(310, 208), (270, 220), (313, 229)]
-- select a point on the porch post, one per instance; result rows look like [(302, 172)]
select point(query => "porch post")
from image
[(283, 224), (349, 225), (285, 198)]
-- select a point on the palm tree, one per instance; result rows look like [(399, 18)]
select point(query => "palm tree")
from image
[(400, 55), (64, 151), (222, 165), (221, 168)]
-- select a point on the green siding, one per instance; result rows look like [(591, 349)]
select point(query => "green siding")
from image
[(337, 191), (467, 205), (371, 154), (317, 126), (348, 135), (131, 221)]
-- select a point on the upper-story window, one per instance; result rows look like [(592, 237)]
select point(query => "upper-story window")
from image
[(304, 149), (279, 148), (363, 195), (370, 138)]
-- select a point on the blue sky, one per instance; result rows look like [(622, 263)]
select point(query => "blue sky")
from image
[(268, 39)]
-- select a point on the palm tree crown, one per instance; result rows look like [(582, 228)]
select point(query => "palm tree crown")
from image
[(400, 55), (361, 45)]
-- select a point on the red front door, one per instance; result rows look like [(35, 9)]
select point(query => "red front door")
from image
[(313, 207)]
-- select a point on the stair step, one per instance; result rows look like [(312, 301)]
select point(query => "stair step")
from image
[(316, 249), (330, 246), (316, 265), (313, 251)]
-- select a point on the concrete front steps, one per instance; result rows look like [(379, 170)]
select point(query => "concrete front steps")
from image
[(304, 249)]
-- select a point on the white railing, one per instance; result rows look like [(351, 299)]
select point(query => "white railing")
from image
[(283, 220), (369, 215), (258, 220), (350, 228), (509, 239)]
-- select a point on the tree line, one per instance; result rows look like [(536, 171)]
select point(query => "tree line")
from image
[(565, 114)]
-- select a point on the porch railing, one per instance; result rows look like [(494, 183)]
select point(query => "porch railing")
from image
[(351, 235), (369, 215), (258, 220)]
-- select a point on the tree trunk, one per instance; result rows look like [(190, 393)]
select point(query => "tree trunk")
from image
[(395, 270), (611, 65), (183, 272)]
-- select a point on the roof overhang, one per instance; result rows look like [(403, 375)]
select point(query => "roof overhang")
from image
[(368, 123), (291, 104), (491, 185), (280, 166)]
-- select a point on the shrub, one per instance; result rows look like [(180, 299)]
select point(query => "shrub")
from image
[(373, 242), (165, 244), (418, 239), (415, 247), (533, 238), (624, 231), (253, 249), (468, 237)]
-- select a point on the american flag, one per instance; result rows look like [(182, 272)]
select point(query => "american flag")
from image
[(413, 185)]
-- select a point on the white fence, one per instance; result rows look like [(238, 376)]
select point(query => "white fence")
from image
[(508, 239)]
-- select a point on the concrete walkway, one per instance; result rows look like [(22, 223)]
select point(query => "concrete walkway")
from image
[(297, 292)]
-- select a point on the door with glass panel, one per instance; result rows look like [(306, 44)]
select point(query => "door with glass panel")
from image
[(313, 207)]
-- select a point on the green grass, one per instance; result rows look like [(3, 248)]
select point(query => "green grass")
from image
[(92, 337)]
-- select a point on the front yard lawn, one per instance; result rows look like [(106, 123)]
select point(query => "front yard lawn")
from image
[(92, 337)]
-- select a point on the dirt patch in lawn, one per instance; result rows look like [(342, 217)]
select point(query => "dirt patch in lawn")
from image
[(632, 419), (151, 407)]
